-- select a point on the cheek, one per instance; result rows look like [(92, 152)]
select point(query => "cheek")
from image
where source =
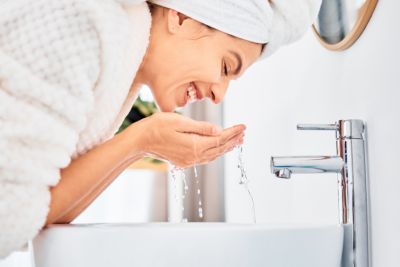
[(210, 70), (208, 67), (168, 86)]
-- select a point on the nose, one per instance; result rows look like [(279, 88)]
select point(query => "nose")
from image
[(218, 91)]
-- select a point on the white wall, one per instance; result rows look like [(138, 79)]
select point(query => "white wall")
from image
[(136, 195), (305, 83)]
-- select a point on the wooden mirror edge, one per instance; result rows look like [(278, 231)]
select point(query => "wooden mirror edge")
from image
[(358, 29)]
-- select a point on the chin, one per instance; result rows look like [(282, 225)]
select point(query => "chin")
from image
[(165, 108), (164, 102)]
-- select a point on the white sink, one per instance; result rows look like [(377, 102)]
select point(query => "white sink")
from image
[(188, 245)]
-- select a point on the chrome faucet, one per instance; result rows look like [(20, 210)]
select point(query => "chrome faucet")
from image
[(283, 167), (350, 165)]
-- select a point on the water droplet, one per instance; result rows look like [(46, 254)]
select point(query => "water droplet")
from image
[(200, 212), (198, 191)]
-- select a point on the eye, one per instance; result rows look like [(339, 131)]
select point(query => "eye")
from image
[(225, 68)]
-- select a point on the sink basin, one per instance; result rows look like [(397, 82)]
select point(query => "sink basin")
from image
[(189, 245)]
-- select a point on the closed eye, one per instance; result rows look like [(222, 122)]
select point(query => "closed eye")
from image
[(225, 68)]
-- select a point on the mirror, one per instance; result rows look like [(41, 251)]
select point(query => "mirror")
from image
[(341, 22)]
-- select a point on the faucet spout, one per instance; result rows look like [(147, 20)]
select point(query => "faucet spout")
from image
[(283, 167)]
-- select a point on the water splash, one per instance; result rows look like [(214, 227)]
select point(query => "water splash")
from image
[(175, 173), (243, 180), (180, 173), (200, 207)]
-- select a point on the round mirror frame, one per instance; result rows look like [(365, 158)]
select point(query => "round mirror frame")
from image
[(354, 34)]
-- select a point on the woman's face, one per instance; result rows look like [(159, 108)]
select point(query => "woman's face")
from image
[(186, 61)]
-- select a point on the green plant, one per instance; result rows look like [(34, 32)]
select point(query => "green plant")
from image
[(140, 109)]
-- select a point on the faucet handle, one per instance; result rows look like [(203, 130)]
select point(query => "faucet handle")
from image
[(320, 127), (345, 129)]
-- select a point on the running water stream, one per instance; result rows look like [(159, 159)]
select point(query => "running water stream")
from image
[(244, 181), (180, 173), (200, 207), (177, 173)]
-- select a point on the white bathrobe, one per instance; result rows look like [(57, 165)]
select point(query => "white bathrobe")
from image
[(66, 67)]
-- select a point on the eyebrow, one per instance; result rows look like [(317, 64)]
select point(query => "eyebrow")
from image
[(240, 62)]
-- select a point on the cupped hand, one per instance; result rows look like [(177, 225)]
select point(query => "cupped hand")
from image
[(185, 142)]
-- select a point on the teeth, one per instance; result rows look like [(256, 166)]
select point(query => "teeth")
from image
[(192, 94)]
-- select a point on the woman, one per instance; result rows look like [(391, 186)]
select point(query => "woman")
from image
[(70, 71)]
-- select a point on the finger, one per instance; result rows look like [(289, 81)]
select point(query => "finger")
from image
[(214, 153), (206, 143), (225, 136), (231, 132), (218, 151), (228, 146), (199, 127)]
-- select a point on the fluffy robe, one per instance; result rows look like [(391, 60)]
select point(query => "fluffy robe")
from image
[(66, 67)]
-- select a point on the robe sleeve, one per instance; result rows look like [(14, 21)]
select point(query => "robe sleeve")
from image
[(49, 66)]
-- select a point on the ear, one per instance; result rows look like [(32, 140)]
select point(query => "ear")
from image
[(174, 20), (185, 26)]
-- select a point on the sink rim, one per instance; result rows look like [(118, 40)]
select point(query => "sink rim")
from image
[(66, 245), (198, 225)]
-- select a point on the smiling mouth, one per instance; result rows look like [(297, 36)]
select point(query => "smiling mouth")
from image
[(192, 93)]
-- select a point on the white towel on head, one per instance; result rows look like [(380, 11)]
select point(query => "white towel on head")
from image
[(130, 2), (271, 22), (292, 18), (246, 19)]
